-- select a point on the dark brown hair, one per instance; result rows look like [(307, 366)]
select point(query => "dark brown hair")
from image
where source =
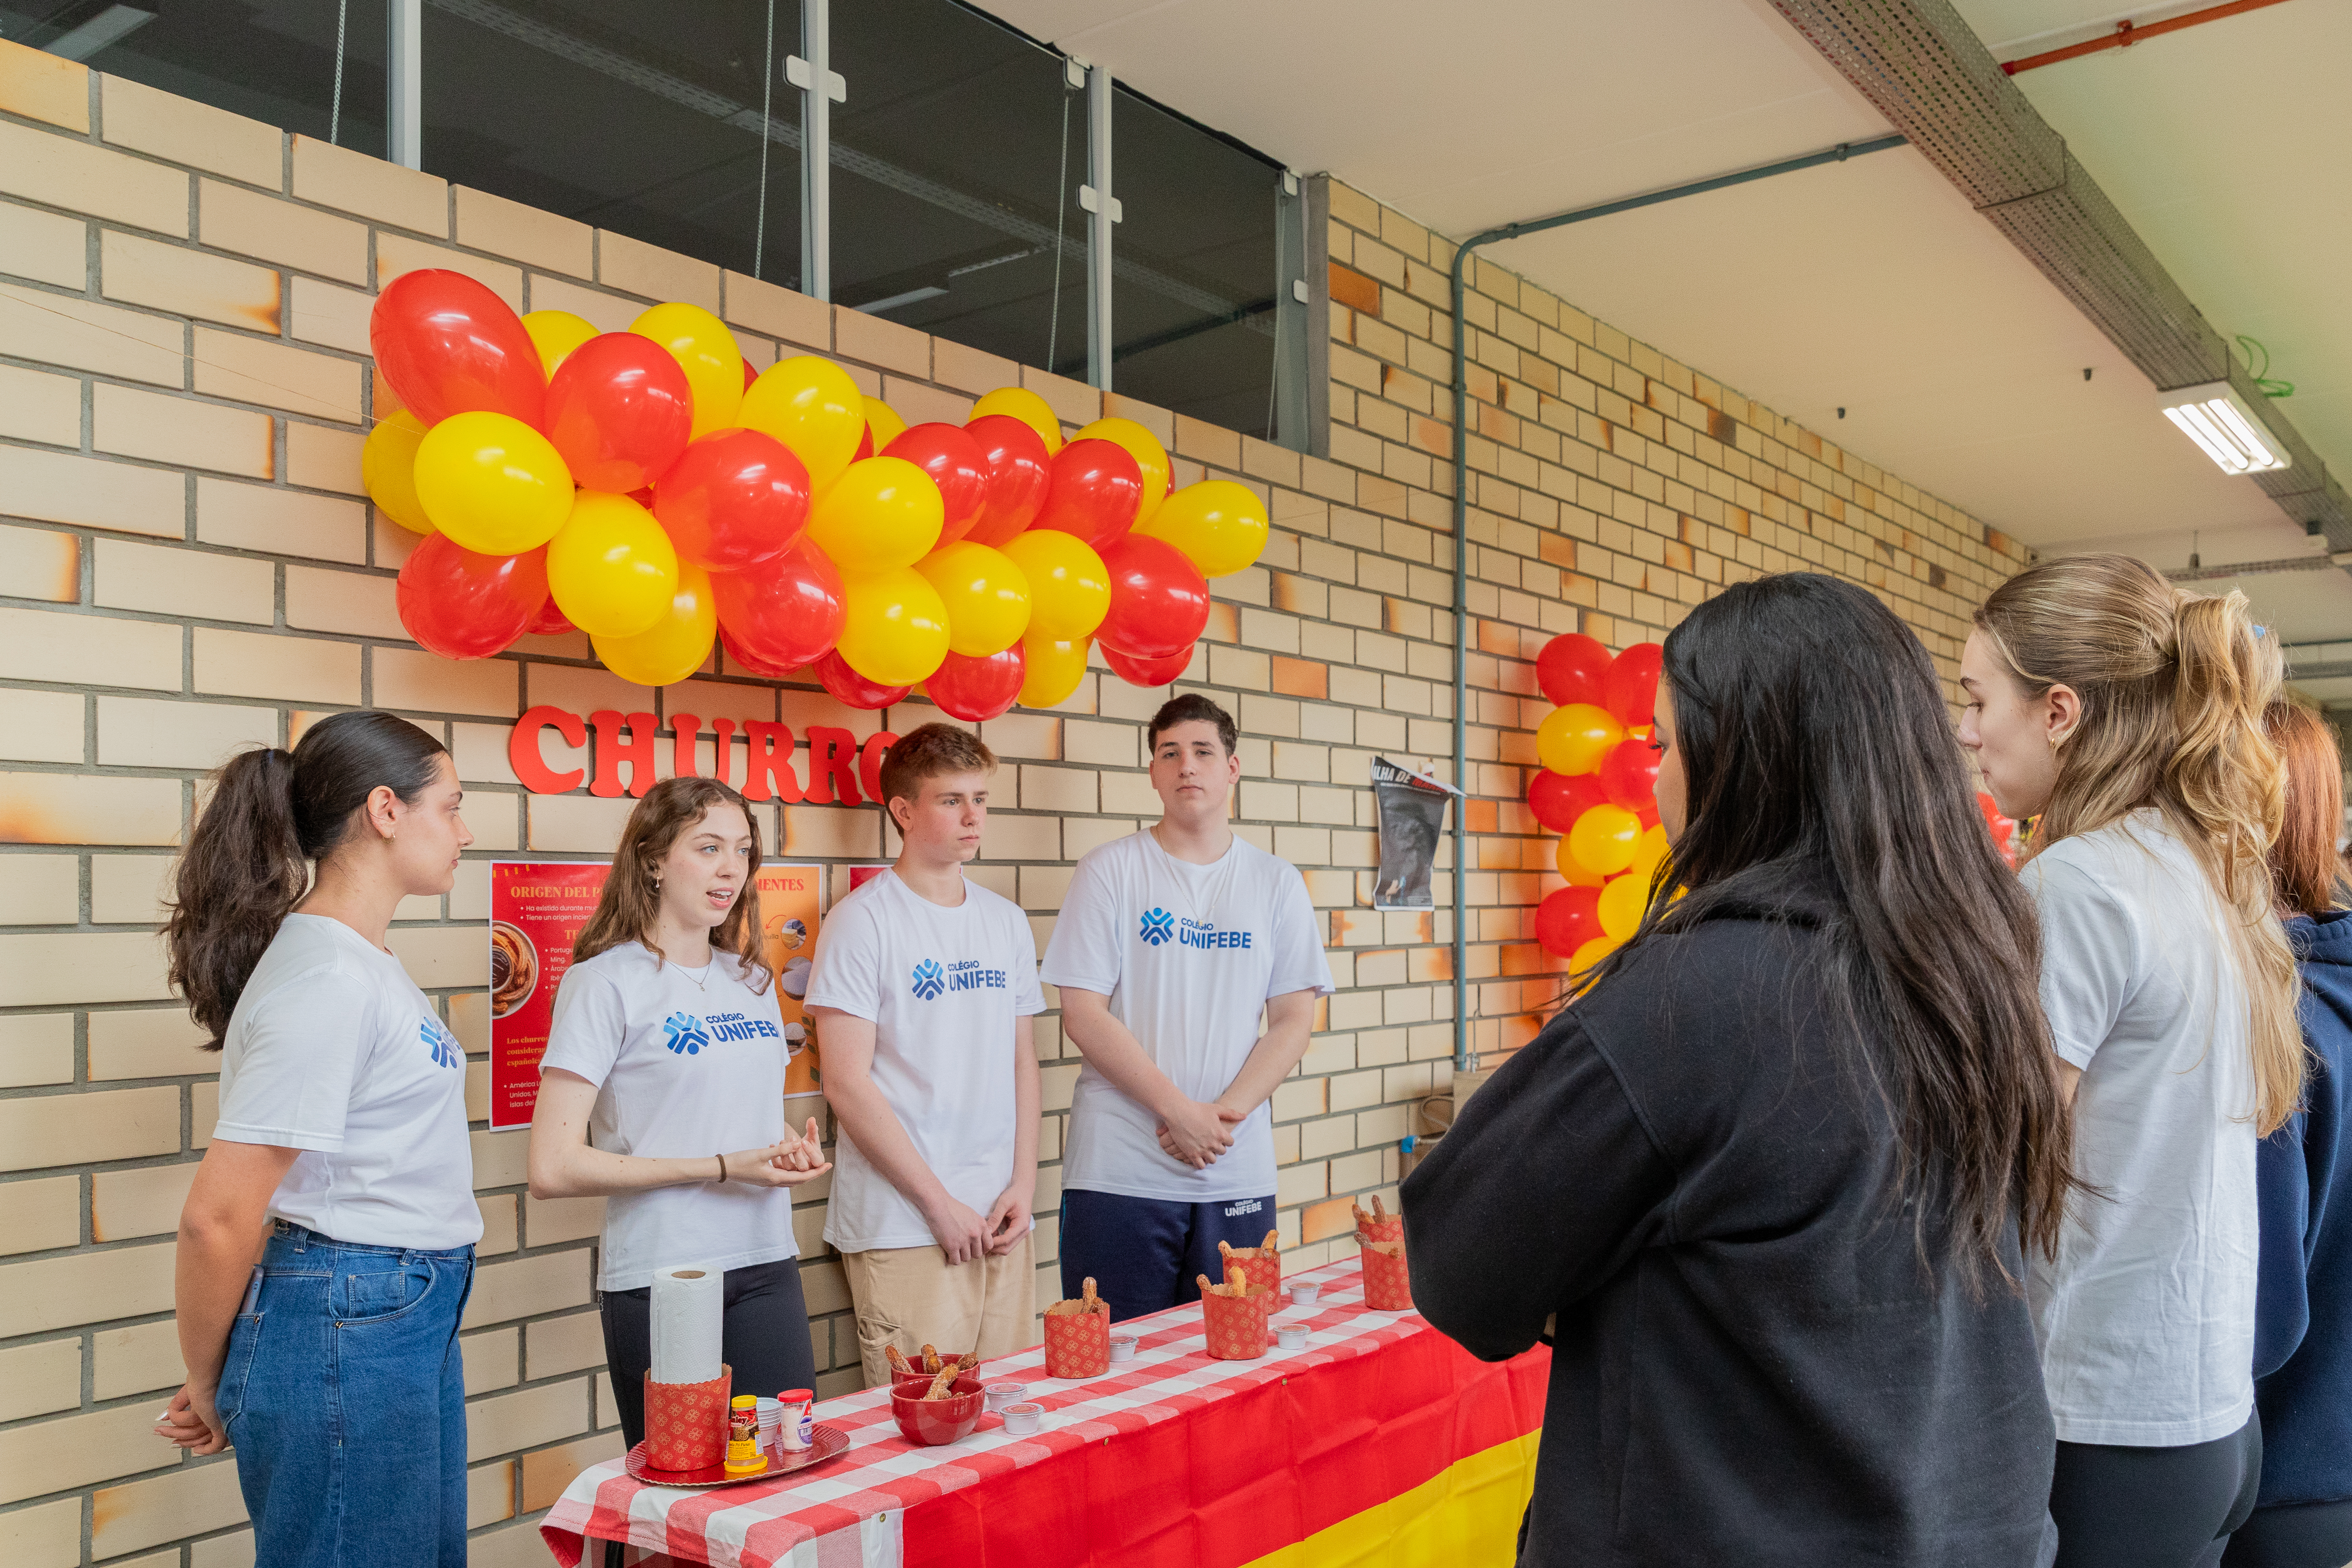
[(927, 752), (2303, 861), (1192, 707), (1817, 753), (248, 864), (629, 907)]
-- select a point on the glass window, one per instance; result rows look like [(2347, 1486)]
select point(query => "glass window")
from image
[(271, 60), (1193, 295), (637, 116), (957, 160)]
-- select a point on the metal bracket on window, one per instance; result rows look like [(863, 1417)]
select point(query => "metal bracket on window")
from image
[(796, 71), (1074, 72), (1087, 200), (1298, 290), (1290, 181)]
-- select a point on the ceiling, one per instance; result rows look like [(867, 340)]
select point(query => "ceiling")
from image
[(1869, 286)]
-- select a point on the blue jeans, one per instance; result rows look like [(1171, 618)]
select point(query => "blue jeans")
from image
[(1147, 1253), (345, 1398)]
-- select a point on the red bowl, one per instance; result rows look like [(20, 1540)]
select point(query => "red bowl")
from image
[(937, 1422)]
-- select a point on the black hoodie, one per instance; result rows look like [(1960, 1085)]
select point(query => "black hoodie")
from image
[(1752, 1364)]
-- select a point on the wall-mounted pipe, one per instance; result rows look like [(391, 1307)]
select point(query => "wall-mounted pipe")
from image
[(2126, 34), (1837, 154)]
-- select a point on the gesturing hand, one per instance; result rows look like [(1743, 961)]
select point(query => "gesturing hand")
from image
[(788, 1163)]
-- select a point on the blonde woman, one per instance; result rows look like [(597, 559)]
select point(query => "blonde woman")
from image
[(2127, 715), (662, 1091)]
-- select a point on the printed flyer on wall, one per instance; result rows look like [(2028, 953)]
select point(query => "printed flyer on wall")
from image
[(537, 908), (788, 922)]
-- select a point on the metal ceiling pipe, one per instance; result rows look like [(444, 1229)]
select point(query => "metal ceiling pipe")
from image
[(1837, 154), (2128, 33), (1920, 65)]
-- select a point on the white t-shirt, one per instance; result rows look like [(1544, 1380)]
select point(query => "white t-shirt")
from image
[(683, 1071), (2146, 1316), (941, 987), (333, 1050), (1188, 955)]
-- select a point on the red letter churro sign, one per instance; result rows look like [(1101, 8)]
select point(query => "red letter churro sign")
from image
[(839, 771)]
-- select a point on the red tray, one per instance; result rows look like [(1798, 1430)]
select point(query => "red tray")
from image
[(825, 1443)]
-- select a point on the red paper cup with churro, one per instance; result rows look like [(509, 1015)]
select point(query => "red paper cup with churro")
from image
[(1387, 1287)]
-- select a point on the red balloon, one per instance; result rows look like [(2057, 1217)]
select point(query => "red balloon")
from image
[(1557, 801), (619, 411), (783, 614), (550, 621), (864, 444), (952, 459), (977, 689), (1097, 485), (749, 375), (1629, 688), (833, 672), (1149, 671), (1159, 600), (749, 666), (1629, 774), (736, 498), (1018, 476), (447, 345), (1569, 918), (463, 605), (1570, 669)]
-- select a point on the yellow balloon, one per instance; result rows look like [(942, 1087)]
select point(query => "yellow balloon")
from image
[(884, 421), (676, 645), (1604, 839), (1055, 666), (896, 630), (1622, 904), (1578, 876), (388, 469), (555, 333), (1219, 525), (1591, 954), (1573, 740), (811, 406), (1149, 455), (1647, 853), (986, 595), (883, 512), (493, 484), (706, 351), (1069, 587), (612, 570), (1028, 407)]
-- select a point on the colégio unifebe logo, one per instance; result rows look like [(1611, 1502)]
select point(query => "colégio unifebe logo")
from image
[(684, 1034), (1159, 926), (929, 979), (440, 1042)]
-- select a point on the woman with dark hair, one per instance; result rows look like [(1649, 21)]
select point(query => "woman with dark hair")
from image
[(342, 1132), (2303, 1177), (1774, 1173), (662, 1091)]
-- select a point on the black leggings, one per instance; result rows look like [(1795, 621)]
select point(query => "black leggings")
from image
[(2294, 1535), (2153, 1508), (766, 1339)]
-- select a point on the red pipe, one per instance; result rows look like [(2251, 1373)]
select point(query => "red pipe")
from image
[(2125, 34)]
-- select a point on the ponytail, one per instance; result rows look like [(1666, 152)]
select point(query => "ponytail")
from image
[(2173, 686), (272, 813)]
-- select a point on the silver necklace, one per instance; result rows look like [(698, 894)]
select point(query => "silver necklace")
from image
[(701, 981)]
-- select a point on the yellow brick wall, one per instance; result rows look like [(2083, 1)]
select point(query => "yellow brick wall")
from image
[(187, 566)]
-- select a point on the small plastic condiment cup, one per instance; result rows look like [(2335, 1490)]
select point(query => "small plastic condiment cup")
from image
[(1305, 1295), (772, 1418), (1000, 1395), (1022, 1419), (1122, 1347), (1290, 1336)]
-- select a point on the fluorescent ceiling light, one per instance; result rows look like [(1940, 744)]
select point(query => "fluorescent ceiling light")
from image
[(2225, 429), (109, 27), (876, 307)]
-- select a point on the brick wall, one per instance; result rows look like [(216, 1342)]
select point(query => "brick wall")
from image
[(187, 566)]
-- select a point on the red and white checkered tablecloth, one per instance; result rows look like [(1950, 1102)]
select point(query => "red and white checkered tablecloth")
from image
[(848, 1513)]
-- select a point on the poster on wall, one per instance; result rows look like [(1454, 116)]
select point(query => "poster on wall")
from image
[(788, 922), (1412, 818), (537, 909)]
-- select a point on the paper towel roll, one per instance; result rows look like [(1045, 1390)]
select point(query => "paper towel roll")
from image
[(688, 1311)]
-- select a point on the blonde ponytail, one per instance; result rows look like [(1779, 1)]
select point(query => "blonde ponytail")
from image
[(2173, 687)]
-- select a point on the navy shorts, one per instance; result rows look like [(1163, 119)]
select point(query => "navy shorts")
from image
[(1144, 1254)]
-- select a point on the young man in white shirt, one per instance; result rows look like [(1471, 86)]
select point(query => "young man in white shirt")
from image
[(923, 988), (1170, 945)]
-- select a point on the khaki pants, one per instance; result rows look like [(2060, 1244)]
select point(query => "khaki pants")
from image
[(910, 1297)]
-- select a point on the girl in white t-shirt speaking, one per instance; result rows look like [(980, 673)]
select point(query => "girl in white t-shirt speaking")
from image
[(2127, 715), (662, 1091), (333, 1364)]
